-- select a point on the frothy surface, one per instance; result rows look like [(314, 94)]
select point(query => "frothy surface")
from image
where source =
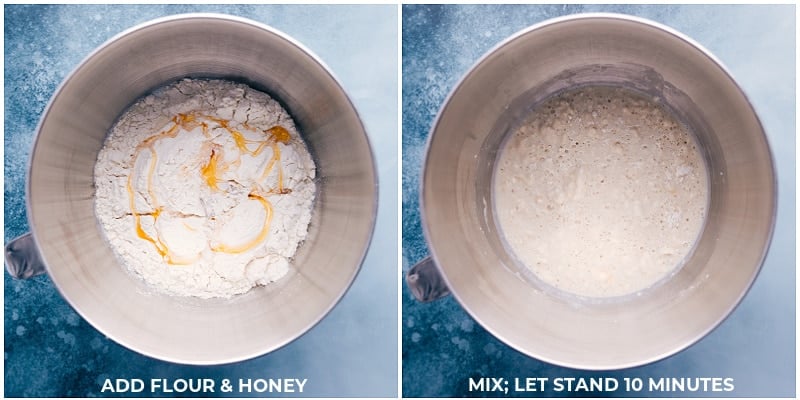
[(600, 192)]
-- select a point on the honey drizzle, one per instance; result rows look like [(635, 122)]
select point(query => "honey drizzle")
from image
[(209, 172), (223, 248)]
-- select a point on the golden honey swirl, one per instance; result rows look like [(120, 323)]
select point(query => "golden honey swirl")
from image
[(210, 174)]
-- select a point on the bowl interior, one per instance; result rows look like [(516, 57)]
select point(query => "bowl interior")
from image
[(457, 201), (61, 203)]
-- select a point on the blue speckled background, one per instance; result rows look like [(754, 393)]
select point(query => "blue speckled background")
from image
[(443, 346), (51, 351)]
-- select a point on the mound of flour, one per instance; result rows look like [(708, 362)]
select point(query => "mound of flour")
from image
[(204, 188)]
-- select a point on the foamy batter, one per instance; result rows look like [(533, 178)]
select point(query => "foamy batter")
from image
[(600, 192)]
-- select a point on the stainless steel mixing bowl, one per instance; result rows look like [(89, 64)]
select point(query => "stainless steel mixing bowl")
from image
[(60, 190), (457, 207)]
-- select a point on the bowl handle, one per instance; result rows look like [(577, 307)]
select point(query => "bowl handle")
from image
[(22, 257), (425, 281)]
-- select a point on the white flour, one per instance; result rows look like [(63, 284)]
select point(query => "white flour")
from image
[(600, 193), (205, 188)]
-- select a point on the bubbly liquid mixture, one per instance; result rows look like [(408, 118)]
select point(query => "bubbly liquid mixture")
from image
[(600, 192)]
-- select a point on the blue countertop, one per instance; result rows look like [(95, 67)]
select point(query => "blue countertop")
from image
[(52, 352), (443, 346)]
